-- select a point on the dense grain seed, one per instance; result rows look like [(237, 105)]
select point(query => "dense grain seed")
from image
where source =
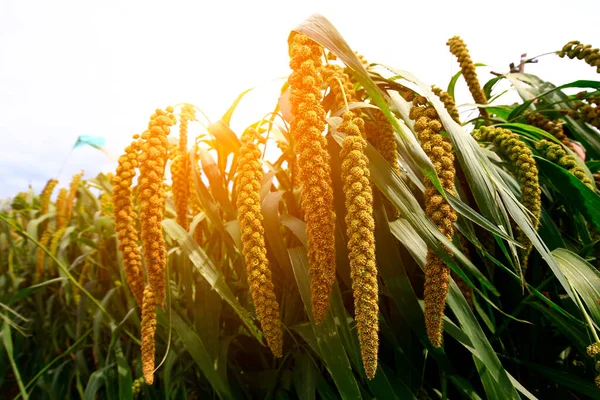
[(53, 249), (437, 274), (41, 255), (555, 153), (509, 146), (151, 197), (360, 227), (125, 217), (552, 127), (459, 49), (307, 125), (148, 331), (254, 250), (61, 208), (71, 196), (575, 49), (448, 103), (45, 201), (181, 187)]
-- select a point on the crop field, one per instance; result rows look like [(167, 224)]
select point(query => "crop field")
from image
[(365, 239)]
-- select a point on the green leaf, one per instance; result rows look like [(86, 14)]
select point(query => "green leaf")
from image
[(195, 347), (305, 376), (96, 382), (452, 83), (593, 166), (576, 383), (571, 189), (124, 373), (392, 265), (530, 88), (30, 289), (584, 278), (8, 346), (207, 269), (567, 327), (328, 341)]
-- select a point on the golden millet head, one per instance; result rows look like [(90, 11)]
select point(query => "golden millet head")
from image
[(61, 208), (125, 217), (593, 349), (45, 196), (148, 331), (41, 255), (151, 197), (307, 125), (181, 187), (448, 103), (437, 275), (380, 134), (360, 227), (459, 49), (249, 176), (71, 196)]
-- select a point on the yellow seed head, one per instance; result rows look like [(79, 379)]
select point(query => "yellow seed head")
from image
[(180, 176), (194, 200), (248, 203), (307, 125), (437, 274), (106, 204), (61, 208), (71, 196), (593, 349), (459, 49), (41, 255), (380, 134), (188, 112), (151, 196), (333, 75), (360, 227), (448, 103), (54, 247), (148, 331), (82, 277), (45, 200), (521, 158), (125, 217)]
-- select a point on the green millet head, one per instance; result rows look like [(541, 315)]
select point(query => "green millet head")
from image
[(574, 49), (509, 146), (555, 153)]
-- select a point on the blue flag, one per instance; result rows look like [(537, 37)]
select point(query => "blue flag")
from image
[(97, 142)]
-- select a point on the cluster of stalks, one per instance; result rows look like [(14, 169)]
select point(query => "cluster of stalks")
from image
[(319, 89)]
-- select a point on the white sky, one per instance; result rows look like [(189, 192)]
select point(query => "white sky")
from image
[(70, 68)]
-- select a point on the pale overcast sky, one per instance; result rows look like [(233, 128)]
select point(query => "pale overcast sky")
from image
[(70, 68)]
